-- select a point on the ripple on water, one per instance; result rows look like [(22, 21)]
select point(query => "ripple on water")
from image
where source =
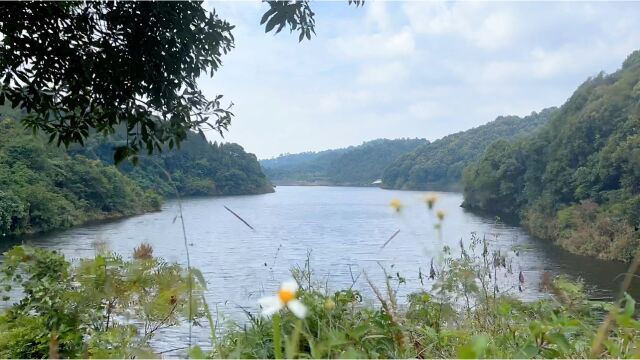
[(343, 228)]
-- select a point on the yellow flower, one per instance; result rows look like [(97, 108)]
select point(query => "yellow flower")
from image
[(431, 199), (395, 204), (286, 297), (440, 214), (329, 305)]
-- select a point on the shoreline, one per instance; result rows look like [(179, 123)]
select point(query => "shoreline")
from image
[(13, 239), (508, 219)]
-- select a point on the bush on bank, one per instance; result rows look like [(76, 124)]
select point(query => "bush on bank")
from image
[(111, 307)]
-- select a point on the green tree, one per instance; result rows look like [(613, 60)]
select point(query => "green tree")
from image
[(576, 180), (81, 310), (356, 165), (78, 66), (11, 211), (44, 187), (440, 164)]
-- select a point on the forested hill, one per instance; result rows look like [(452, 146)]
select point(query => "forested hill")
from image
[(197, 168), (439, 164), (577, 180), (356, 165), (43, 187)]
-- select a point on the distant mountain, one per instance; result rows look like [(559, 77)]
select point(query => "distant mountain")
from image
[(439, 164), (355, 166), (576, 181)]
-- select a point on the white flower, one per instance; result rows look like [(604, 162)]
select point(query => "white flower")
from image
[(286, 297)]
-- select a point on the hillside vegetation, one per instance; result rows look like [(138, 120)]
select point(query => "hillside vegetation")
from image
[(43, 187), (356, 165), (439, 164), (197, 168), (577, 180)]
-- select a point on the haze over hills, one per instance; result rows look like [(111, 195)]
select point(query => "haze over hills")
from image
[(353, 166)]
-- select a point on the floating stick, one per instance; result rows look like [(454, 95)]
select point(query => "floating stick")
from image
[(391, 238), (241, 219)]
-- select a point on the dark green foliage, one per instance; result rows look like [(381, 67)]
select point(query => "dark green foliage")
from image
[(577, 180), (77, 66), (198, 167), (439, 164), (297, 15), (467, 313), (109, 307), (307, 167), (356, 165), (43, 187), (84, 310)]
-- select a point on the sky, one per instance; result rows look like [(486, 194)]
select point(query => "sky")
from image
[(409, 69)]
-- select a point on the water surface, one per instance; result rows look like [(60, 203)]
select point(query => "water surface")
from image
[(342, 228)]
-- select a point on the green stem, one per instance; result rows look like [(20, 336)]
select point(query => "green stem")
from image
[(293, 344), (212, 324), (277, 336)]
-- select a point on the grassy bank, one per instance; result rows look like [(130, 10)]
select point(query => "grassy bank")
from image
[(468, 307), (110, 306)]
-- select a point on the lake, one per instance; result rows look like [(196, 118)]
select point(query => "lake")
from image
[(341, 228)]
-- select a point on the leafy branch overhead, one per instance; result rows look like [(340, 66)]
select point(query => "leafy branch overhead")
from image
[(295, 14), (77, 68)]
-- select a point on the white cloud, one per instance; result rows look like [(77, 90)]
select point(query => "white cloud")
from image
[(377, 14), (546, 65), (497, 30), (375, 46), (478, 23), (418, 69), (430, 110), (382, 73), (341, 99)]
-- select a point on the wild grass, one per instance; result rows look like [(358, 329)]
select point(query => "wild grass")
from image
[(471, 311), (465, 315), (112, 307)]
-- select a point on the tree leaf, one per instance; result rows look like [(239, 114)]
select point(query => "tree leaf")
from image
[(275, 20)]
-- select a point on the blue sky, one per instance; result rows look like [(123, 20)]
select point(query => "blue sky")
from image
[(410, 69)]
